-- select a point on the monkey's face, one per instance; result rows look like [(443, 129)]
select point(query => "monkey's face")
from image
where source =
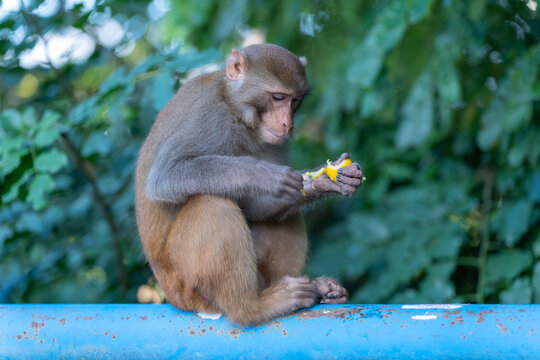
[(268, 82), (277, 121)]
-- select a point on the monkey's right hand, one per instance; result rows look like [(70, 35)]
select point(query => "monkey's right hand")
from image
[(348, 179), (280, 181)]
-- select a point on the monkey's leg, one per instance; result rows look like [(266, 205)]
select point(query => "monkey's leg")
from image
[(281, 250), (213, 256)]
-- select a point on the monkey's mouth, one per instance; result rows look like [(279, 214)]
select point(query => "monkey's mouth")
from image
[(272, 137)]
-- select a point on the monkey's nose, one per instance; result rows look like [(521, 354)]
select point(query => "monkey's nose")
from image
[(288, 129)]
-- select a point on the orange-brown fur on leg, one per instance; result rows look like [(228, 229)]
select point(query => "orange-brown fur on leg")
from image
[(281, 248), (209, 264)]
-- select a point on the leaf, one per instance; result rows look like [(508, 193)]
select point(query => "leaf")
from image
[(368, 229), (507, 264), (365, 68), (534, 193), (517, 154), (84, 111), (416, 58), (39, 188), (536, 244), (398, 171), (445, 245), (31, 222), (146, 65), (29, 117), (5, 233), (518, 293), (418, 9), (192, 59), (97, 143), (227, 18), (492, 127), (47, 129), (387, 30), (447, 79), (476, 9), (11, 120), (115, 81), (403, 260), (51, 161), (13, 191), (515, 220), (437, 286), (408, 296), (417, 114), (536, 283), (11, 152), (511, 106), (162, 89)]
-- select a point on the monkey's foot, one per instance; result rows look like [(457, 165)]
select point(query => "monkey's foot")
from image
[(330, 291)]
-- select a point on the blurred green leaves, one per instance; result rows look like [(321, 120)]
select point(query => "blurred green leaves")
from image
[(437, 100), (27, 156), (511, 107), (417, 114)]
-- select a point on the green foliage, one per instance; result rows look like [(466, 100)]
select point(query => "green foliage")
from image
[(437, 100)]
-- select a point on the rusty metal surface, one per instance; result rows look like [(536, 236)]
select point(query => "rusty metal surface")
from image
[(348, 331)]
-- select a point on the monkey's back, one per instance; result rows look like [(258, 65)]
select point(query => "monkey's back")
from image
[(177, 118)]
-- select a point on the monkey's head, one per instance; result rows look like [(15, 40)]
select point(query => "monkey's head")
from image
[(266, 85)]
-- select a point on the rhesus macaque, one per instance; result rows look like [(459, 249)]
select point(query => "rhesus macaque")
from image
[(217, 206)]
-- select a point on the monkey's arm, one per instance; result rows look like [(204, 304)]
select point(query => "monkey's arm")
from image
[(266, 207), (174, 178)]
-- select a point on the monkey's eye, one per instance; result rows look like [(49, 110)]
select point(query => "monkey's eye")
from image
[(297, 99), (278, 96)]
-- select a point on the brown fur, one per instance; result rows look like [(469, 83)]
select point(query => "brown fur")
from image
[(217, 210)]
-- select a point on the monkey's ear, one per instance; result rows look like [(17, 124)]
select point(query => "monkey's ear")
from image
[(236, 66), (303, 61)]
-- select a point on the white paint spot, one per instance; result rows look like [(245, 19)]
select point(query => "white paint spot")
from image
[(424, 317), (209, 315), (432, 306)]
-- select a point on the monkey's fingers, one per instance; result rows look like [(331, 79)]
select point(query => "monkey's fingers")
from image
[(340, 300), (303, 279), (347, 190), (324, 184), (295, 183), (297, 176), (352, 170), (337, 291), (352, 181), (343, 156), (326, 285), (291, 193)]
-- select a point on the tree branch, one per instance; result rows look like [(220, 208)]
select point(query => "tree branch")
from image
[(487, 177), (82, 166)]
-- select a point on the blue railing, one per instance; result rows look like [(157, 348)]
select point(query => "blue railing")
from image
[(323, 332)]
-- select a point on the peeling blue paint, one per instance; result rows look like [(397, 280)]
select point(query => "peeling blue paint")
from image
[(348, 331)]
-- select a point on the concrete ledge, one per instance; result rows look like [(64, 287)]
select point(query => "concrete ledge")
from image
[(349, 331)]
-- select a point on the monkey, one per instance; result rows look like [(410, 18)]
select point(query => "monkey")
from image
[(217, 206)]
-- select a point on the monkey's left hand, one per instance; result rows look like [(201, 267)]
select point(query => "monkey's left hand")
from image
[(348, 179), (329, 291)]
